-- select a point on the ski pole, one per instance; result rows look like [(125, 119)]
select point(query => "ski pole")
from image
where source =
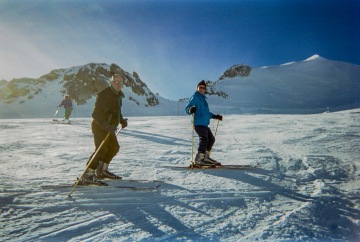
[(89, 163), (192, 142), (217, 126), (55, 116), (73, 105)]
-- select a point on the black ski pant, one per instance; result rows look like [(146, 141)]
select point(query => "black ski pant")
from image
[(108, 150), (206, 138)]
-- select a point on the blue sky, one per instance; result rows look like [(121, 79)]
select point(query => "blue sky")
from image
[(173, 44)]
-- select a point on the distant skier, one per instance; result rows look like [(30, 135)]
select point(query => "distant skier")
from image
[(106, 118), (199, 107), (67, 103)]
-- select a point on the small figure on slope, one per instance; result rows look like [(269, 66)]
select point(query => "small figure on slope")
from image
[(106, 118), (199, 107), (67, 103)]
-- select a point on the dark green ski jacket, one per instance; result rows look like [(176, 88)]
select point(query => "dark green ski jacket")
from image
[(107, 109)]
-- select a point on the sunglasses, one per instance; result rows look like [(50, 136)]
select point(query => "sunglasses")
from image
[(202, 87)]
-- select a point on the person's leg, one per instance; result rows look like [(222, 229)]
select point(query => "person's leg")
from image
[(99, 136), (90, 176), (211, 140), (113, 149), (67, 113), (203, 143), (203, 138)]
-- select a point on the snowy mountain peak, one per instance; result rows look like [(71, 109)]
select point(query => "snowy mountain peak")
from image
[(239, 70), (310, 86), (84, 82), (28, 97), (314, 57)]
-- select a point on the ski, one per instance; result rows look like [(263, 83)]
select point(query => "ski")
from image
[(60, 122), (99, 183), (135, 188), (235, 167), (118, 183), (136, 180), (145, 188)]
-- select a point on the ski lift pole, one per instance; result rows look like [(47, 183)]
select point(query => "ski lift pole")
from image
[(89, 163)]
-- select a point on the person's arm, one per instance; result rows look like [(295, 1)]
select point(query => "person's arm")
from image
[(100, 109), (61, 104), (190, 105)]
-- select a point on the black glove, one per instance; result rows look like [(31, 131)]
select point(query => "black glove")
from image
[(110, 128), (217, 116), (192, 110), (124, 123)]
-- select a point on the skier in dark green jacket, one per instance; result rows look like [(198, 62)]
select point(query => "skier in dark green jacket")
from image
[(106, 118)]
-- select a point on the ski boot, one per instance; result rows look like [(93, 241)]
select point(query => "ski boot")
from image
[(102, 172), (211, 161), (89, 178), (200, 160)]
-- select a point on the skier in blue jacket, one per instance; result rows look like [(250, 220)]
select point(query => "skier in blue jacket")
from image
[(199, 107)]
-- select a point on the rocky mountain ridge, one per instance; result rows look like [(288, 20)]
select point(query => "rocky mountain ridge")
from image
[(81, 83), (38, 97), (313, 85)]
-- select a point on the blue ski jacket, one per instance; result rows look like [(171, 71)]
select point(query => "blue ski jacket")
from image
[(202, 114)]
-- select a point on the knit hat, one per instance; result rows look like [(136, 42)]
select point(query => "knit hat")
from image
[(202, 83)]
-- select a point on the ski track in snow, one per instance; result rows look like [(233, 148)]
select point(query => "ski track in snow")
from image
[(306, 188)]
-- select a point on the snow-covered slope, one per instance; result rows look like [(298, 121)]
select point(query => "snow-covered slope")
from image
[(306, 188), (34, 98), (310, 86)]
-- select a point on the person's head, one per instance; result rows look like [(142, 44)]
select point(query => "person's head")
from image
[(201, 87), (67, 96), (117, 81)]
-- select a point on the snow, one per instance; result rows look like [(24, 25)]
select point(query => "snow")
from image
[(305, 87), (287, 64), (314, 57), (306, 188)]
